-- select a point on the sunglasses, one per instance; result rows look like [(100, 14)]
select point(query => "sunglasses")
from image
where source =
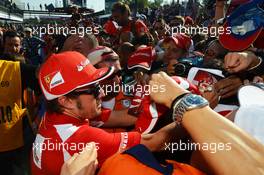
[(95, 91)]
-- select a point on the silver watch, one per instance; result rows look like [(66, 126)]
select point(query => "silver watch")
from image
[(187, 103)]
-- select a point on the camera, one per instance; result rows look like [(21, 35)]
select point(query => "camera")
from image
[(184, 65), (182, 69)]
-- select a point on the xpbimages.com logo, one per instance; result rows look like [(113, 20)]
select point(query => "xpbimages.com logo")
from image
[(60, 146), (64, 30), (192, 146), (191, 30)]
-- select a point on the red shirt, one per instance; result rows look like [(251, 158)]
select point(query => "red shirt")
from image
[(140, 27), (60, 136)]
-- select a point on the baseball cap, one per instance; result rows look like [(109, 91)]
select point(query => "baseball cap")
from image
[(235, 4), (101, 53), (67, 71), (27, 29), (188, 20), (182, 41), (142, 57), (245, 25)]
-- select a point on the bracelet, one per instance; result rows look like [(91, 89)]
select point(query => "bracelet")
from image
[(178, 98), (260, 61), (259, 69)]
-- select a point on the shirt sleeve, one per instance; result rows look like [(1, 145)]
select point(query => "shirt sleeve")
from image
[(104, 115), (107, 143)]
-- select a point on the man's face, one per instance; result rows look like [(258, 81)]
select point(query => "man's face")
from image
[(172, 51), (88, 106), (120, 18), (28, 34), (176, 22), (85, 47), (12, 45), (211, 52), (159, 28)]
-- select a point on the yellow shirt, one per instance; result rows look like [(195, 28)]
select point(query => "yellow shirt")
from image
[(11, 112)]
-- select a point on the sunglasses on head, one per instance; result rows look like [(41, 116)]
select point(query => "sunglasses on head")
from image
[(94, 90)]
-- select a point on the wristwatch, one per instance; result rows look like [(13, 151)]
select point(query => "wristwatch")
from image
[(186, 103)]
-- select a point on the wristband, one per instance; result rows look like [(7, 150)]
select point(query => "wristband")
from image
[(178, 98)]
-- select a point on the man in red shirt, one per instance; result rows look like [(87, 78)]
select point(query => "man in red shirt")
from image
[(121, 14), (69, 83)]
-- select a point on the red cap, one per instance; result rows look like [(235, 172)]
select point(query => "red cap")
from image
[(101, 53), (67, 71), (259, 41), (143, 58), (111, 27), (232, 43), (180, 40), (188, 20)]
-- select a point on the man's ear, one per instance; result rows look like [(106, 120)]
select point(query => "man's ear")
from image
[(66, 102)]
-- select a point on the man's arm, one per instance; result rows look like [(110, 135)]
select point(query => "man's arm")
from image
[(206, 126), (158, 140), (120, 119)]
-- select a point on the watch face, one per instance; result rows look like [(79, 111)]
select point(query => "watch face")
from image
[(194, 100)]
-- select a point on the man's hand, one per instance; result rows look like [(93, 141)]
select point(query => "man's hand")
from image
[(164, 89), (240, 61), (212, 97), (141, 77), (228, 86), (84, 163)]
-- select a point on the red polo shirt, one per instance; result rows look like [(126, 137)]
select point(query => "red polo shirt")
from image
[(60, 136), (140, 27)]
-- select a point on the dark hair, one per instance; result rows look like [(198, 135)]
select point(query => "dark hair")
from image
[(222, 51), (121, 7), (10, 34), (53, 106), (160, 20)]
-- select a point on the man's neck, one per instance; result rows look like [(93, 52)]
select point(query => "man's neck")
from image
[(71, 114)]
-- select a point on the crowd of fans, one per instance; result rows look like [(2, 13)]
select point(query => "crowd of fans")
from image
[(123, 98)]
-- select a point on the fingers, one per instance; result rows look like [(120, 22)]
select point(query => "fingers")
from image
[(231, 60), (228, 87), (230, 93), (222, 84), (212, 97), (91, 168), (236, 62), (88, 154), (75, 155), (85, 161), (258, 79)]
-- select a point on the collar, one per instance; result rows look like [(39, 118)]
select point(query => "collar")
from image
[(55, 118)]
